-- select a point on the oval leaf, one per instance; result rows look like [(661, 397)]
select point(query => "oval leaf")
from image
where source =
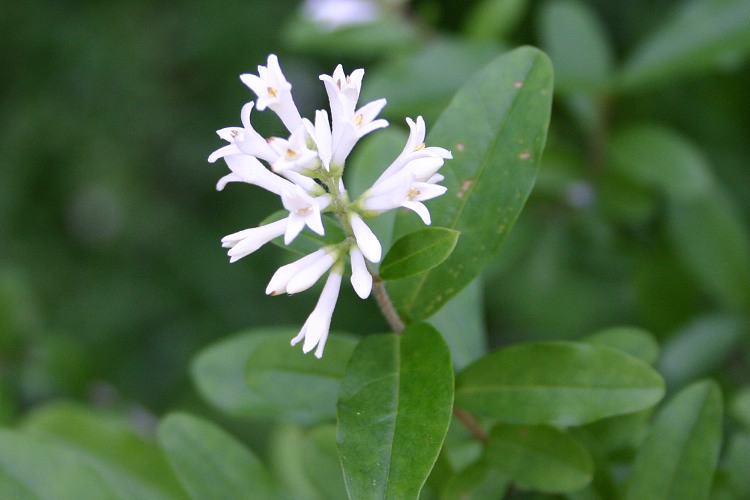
[(394, 410), (629, 339), (211, 463), (679, 455), (227, 380), (540, 458), (418, 252), (557, 383), (30, 468), (496, 126)]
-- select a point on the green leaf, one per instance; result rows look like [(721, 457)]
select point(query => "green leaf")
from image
[(211, 463), (539, 458), (737, 463), (700, 347), (30, 468), (418, 252), (496, 127), (234, 378), (702, 34), (297, 386), (659, 158), (461, 322), (557, 383), (477, 481), (678, 457), (576, 41), (714, 244), (110, 445), (629, 339), (394, 410), (740, 406)]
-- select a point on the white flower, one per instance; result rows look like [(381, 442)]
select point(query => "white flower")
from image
[(248, 169), (366, 239), (243, 140), (315, 330), (293, 154), (245, 242), (334, 14), (275, 92), (403, 190), (361, 277), (422, 160), (304, 210), (303, 273), (321, 136), (349, 125)]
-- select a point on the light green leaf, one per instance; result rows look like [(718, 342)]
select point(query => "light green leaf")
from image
[(740, 406), (702, 34), (461, 322), (659, 158), (629, 339), (110, 445), (557, 383), (576, 41), (714, 244), (678, 458), (30, 468), (539, 458), (496, 128), (394, 410), (222, 373), (211, 463), (477, 481), (737, 463), (298, 386), (699, 347), (418, 252)]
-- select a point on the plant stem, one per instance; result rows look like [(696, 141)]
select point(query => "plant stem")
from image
[(470, 423), (386, 306)]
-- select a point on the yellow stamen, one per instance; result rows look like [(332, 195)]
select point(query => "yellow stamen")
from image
[(234, 133), (273, 91), (421, 146), (291, 154), (358, 119), (413, 193), (303, 211)]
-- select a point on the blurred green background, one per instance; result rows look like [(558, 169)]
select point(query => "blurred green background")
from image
[(111, 272)]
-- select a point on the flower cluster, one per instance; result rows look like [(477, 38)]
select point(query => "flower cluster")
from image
[(305, 171)]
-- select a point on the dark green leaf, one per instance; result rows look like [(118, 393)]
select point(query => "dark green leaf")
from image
[(496, 127), (557, 383), (418, 252), (211, 463), (629, 339), (740, 407), (539, 458), (678, 457), (394, 410), (494, 19), (222, 373), (702, 34), (577, 42)]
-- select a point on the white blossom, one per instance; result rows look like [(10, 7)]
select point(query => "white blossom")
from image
[(293, 153), (302, 273), (315, 330), (243, 140), (403, 190), (275, 92), (361, 277), (304, 210), (367, 242), (245, 242)]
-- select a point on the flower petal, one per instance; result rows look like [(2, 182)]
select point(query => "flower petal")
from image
[(367, 242)]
